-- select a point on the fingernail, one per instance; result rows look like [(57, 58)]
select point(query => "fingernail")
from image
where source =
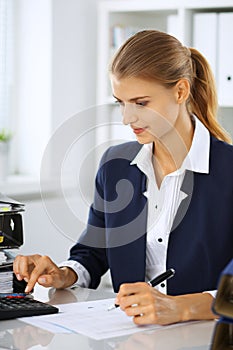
[(26, 279), (27, 290), (42, 280), (18, 277)]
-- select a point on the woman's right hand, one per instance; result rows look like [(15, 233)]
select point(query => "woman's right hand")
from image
[(41, 269)]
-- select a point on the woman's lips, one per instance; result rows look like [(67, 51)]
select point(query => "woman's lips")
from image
[(138, 131)]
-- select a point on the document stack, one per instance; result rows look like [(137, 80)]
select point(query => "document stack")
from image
[(6, 276), (11, 237)]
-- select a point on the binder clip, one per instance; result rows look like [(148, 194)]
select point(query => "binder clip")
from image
[(11, 225), (223, 306)]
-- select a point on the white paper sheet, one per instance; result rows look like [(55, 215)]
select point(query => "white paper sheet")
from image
[(90, 318)]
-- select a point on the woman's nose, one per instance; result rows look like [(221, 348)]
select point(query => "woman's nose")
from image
[(129, 113)]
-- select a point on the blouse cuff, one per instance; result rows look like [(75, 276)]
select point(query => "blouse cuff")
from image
[(84, 278), (212, 292)]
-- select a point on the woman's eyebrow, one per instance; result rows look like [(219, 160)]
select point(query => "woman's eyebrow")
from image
[(133, 99)]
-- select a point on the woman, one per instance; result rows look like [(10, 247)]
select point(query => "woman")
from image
[(162, 202)]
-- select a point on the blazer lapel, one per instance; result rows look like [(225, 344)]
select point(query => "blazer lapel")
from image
[(187, 188)]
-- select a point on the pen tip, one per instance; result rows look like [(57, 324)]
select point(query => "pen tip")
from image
[(111, 307)]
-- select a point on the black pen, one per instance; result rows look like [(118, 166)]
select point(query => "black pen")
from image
[(161, 278), (154, 282)]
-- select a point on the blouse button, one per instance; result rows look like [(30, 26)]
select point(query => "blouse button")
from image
[(162, 285), (160, 240)]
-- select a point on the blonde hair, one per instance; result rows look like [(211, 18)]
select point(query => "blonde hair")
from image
[(157, 56)]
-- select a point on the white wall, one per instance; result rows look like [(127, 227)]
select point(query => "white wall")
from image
[(42, 235)]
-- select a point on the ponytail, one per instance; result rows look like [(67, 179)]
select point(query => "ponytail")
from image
[(203, 101)]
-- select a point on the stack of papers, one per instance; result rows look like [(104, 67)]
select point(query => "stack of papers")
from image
[(9, 205), (3, 258), (6, 274), (6, 282), (5, 207)]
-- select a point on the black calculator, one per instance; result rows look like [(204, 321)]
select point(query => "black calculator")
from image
[(11, 307)]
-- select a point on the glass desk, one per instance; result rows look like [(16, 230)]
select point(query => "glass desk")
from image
[(15, 334)]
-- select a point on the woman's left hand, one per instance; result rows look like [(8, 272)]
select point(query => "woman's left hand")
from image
[(149, 306)]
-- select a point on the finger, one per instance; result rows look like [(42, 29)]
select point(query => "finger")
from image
[(142, 319), (138, 310), (49, 280), (132, 288), (128, 301), (30, 285), (145, 315), (20, 267), (42, 265), (134, 293), (46, 280), (16, 268)]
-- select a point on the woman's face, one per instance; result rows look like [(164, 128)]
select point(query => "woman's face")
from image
[(148, 107)]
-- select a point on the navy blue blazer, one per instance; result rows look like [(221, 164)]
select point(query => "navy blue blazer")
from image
[(201, 239)]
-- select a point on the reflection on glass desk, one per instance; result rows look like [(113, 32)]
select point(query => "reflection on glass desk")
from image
[(222, 338), (15, 334)]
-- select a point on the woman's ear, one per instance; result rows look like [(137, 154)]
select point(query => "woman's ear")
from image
[(182, 90)]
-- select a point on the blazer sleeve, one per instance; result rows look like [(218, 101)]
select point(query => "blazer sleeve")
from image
[(90, 250)]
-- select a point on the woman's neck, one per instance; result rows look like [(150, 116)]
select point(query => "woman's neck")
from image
[(170, 152)]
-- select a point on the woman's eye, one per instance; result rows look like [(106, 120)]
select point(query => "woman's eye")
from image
[(120, 103), (142, 104)]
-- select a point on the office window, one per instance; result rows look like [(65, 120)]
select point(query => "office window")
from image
[(25, 76), (6, 61)]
